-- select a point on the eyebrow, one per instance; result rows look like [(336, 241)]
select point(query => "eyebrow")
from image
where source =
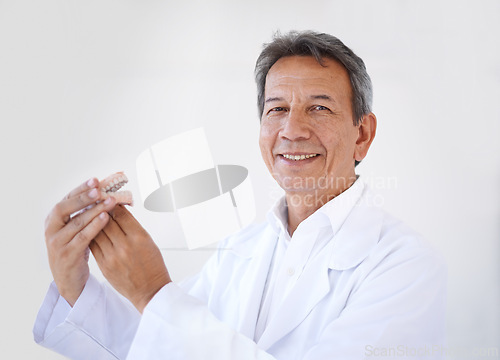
[(271, 99), (314, 97), (322, 97)]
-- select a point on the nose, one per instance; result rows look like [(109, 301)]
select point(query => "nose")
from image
[(296, 127)]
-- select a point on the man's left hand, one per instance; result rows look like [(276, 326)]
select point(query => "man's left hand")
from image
[(129, 259)]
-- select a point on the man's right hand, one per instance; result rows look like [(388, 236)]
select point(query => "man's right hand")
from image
[(68, 237)]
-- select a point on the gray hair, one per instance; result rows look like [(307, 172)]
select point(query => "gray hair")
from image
[(318, 45)]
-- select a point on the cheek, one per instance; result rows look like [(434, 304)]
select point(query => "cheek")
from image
[(266, 144), (343, 147), (266, 139), (339, 144)]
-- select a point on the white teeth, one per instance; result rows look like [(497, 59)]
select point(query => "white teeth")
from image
[(114, 188), (298, 157)]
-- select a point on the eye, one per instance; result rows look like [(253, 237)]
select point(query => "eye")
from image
[(320, 108), (276, 109)]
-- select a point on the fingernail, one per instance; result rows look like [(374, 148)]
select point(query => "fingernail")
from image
[(93, 193), (91, 182), (103, 216), (108, 200)]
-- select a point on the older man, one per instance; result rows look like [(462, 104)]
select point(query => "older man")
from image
[(328, 276)]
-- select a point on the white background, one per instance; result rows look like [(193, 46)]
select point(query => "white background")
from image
[(85, 86)]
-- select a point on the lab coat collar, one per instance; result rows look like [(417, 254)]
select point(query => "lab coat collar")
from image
[(255, 277), (244, 243), (358, 234)]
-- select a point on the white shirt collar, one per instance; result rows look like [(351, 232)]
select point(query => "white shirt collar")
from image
[(277, 216), (332, 214)]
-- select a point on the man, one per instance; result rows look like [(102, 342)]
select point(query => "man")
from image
[(329, 276)]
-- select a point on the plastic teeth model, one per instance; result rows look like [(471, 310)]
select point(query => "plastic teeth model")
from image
[(111, 186)]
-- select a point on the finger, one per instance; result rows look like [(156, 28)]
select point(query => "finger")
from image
[(85, 188), (89, 184), (79, 222), (83, 238), (104, 242), (96, 251), (80, 198), (125, 220), (113, 231)]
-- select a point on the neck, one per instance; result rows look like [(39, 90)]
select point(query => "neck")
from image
[(301, 204)]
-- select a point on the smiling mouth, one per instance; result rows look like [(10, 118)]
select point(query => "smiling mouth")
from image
[(298, 157)]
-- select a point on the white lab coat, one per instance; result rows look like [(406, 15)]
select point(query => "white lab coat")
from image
[(376, 289)]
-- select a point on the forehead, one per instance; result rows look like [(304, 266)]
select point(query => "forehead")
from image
[(304, 74)]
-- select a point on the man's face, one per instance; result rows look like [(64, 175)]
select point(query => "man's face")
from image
[(307, 136)]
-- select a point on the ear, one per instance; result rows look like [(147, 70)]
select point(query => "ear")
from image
[(366, 134)]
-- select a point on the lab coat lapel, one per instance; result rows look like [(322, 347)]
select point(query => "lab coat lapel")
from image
[(255, 278), (349, 247), (311, 287)]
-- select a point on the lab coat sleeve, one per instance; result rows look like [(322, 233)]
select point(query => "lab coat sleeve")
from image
[(398, 310), (101, 325), (179, 324), (176, 325)]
